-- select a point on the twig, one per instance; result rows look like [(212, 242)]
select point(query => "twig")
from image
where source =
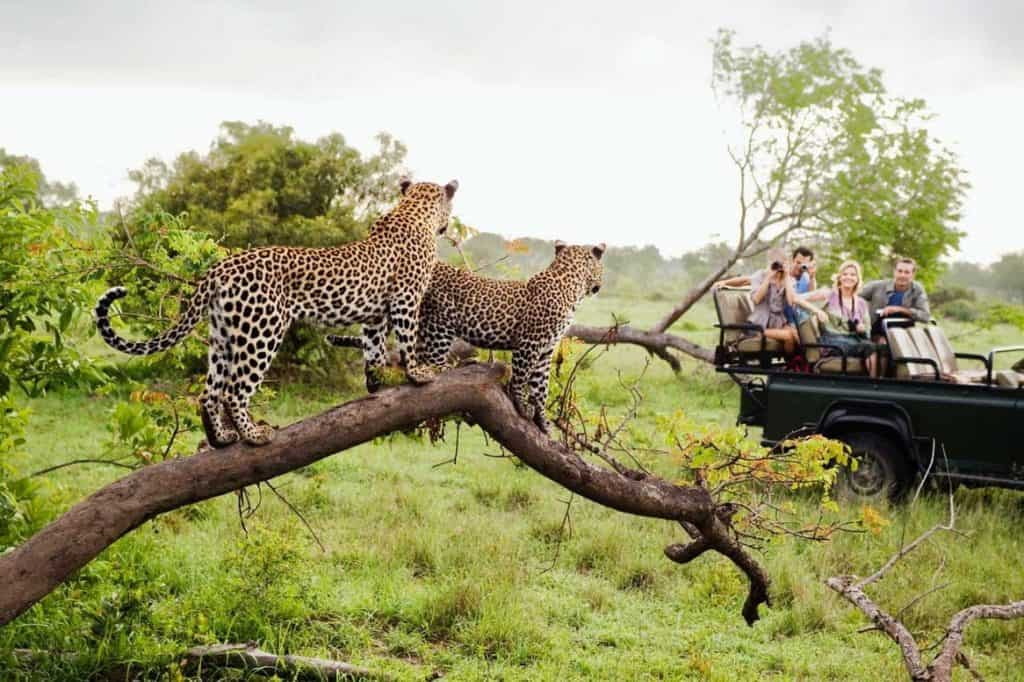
[(297, 513), (458, 247), (910, 604), (74, 462), (566, 523), (455, 457), (174, 433), (492, 264)]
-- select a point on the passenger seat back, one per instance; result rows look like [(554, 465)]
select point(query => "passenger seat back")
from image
[(733, 306), (902, 345), (1008, 378), (950, 366), (943, 348), (810, 334), (925, 349)]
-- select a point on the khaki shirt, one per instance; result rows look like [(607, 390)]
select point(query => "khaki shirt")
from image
[(877, 295)]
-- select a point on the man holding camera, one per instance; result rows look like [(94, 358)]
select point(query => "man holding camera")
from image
[(803, 270)]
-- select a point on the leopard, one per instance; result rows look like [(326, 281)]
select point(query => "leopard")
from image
[(527, 317), (254, 296)]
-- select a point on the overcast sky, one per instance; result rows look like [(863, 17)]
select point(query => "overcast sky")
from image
[(584, 121)]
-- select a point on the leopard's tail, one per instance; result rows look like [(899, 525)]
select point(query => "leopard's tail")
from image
[(197, 305), (346, 341)]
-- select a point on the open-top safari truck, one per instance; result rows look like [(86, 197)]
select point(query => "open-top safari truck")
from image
[(937, 413)]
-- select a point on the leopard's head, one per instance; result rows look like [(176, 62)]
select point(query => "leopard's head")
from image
[(584, 262), (428, 201)]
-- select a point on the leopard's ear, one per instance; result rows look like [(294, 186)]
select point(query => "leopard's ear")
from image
[(405, 183), (598, 250), (450, 188), (559, 245)]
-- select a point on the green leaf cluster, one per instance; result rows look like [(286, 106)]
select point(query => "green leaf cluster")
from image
[(43, 295), (158, 257), (260, 185), (838, 160)]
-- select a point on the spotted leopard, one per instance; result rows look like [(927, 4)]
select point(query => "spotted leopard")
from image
[(254, 296), (527, 317)]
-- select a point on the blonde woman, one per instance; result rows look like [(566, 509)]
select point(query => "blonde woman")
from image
[(845, 319)]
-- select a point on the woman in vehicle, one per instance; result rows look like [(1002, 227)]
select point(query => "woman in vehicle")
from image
[(845, 320), (770, 290)]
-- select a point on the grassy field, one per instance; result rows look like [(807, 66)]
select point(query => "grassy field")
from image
[(459, 569)]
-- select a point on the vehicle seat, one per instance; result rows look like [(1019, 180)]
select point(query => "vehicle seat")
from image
[(925, 349), (734, 306), (1007, 378), (947, 358), (810, 335), (901, 345)]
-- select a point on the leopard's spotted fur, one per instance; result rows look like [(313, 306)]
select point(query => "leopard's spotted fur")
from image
[(527, 317), (254, 296)]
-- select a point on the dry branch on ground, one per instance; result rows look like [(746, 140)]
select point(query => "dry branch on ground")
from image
[(250, 658), (950, 652)]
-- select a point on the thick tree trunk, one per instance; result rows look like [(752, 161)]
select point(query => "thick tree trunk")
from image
[(35, 568)]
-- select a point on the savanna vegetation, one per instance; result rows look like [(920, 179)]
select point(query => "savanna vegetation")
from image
[(435, 552)]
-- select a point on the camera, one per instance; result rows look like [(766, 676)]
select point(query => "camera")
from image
[(776, 266), (804, 267), (851, 325)]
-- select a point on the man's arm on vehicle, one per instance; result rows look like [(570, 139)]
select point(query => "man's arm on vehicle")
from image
[(740, 281)]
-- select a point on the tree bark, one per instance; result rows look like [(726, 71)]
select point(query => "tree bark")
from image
[(249, 657), (656, 343), (39, 565), (657, 340)]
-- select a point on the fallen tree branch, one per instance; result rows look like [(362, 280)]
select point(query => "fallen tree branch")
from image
[(252, 659), (35, 568), (657, 343), (941, 668)]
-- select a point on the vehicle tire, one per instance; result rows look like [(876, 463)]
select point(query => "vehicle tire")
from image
[(882, 473)]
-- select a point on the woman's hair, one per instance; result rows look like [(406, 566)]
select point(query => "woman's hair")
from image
[(856, 267)]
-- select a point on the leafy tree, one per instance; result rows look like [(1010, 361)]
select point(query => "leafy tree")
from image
[(261, 185), (823, 155), (258, 185), (967, 275), (161, 257), (47, 192), (829, 155), (41, 299), (1008, 275)]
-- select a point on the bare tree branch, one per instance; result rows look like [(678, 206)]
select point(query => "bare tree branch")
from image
[(941, 667), (249, 657), (657, 343)]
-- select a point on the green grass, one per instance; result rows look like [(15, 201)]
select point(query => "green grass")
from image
[(458, 569)]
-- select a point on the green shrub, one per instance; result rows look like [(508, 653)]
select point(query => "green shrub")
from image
[(946, 295), (961, 311)]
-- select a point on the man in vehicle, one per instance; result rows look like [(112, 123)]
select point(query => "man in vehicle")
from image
[(898, 297)]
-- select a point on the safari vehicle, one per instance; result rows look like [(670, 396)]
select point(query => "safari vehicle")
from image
[(936, 413)]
